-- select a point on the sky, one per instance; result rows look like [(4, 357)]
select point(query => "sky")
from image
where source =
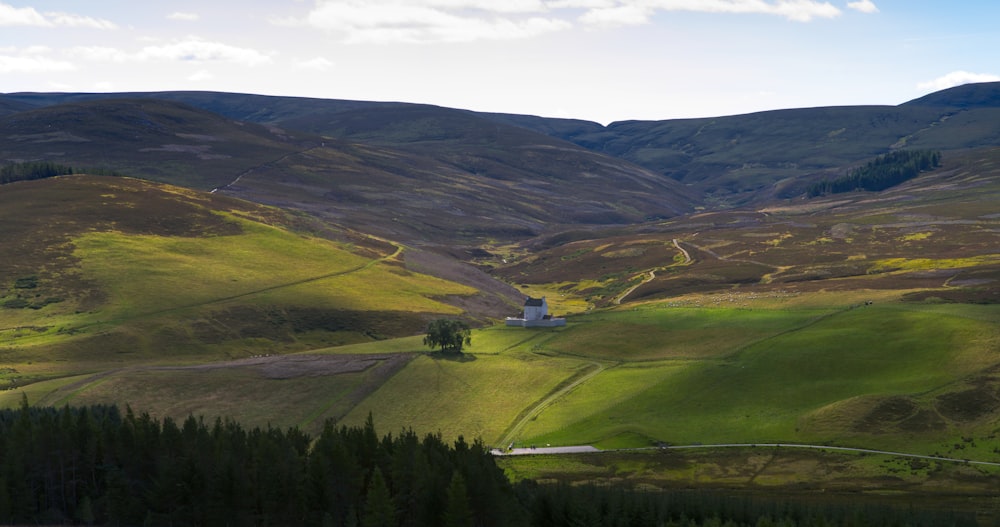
[(599, 60)]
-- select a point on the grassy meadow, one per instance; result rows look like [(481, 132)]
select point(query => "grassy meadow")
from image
[(137, 273), (769, 389), (777, 330), (888, 375)]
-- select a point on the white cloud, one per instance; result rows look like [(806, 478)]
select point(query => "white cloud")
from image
[(497, 6), (622, 15), (29, 16), (957, 78), (32, 64), (797, 10), (201, 75), (865, 6), (21, 16), (194, 49), (191, 49), (99, 54), (187, 17), (431, 20), (71, 20), (317, 64), (469, 20)]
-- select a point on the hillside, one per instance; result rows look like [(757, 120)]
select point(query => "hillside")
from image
[(937, 231), (153, 139), (102, 271), (708, 300), (761, 156), (454, 173), (469, 181), (721, 161)]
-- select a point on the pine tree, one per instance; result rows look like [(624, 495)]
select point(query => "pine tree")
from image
[(457, 512), (379, 509)]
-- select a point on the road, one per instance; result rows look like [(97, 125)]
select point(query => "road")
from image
[(589, 449)]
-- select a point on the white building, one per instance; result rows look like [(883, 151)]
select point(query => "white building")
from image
[(536, 315)]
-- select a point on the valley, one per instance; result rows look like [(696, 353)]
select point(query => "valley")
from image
[(276, 261)]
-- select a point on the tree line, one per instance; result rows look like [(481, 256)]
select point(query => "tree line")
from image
[(32, 170), (98, 465), (881, 173)]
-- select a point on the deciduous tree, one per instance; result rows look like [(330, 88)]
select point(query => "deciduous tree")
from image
[(448, 334)]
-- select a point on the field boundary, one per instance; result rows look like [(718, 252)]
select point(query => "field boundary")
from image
[(530, 412)]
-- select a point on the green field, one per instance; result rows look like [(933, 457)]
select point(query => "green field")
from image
[(235, 313), (761, 375), (767, 390)]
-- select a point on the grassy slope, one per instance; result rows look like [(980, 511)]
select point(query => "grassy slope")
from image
[(739, 366), (144, 272), (769, 390), (159, 140), (936, 232)]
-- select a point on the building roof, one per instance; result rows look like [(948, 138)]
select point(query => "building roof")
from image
[(534, 302)]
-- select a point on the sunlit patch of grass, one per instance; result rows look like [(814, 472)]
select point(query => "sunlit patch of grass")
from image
[(760, 393), (400, 289), (777, 241), (476, 398), (672, 333), (925, 264), (35, 391), (602, 395), (145, 273), (917, 236)]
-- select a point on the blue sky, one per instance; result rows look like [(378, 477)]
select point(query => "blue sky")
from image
[(601, 60)]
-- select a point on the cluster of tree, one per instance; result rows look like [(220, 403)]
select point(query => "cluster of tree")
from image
[(881, 173), (32, 170), (448, 334), (43, 169), (96, 465), (617, 506)]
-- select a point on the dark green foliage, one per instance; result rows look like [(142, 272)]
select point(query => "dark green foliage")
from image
[(457, 513), (96, 466), (16, 303), (613, 506), (32, 170), (448, 334), (885, 171), (28, 282), (43, 169)]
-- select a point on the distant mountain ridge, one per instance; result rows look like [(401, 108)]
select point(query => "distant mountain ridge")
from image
[(432, 166), (408, 172)]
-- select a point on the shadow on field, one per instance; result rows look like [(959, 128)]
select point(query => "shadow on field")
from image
[(453, 357)]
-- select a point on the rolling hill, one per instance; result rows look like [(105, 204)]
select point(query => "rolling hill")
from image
[(722, 161), (156, 139), (937, 231), (478, 181), (709, 300), (103, 271)]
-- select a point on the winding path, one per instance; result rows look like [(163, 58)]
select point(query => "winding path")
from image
[(651, 274)]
